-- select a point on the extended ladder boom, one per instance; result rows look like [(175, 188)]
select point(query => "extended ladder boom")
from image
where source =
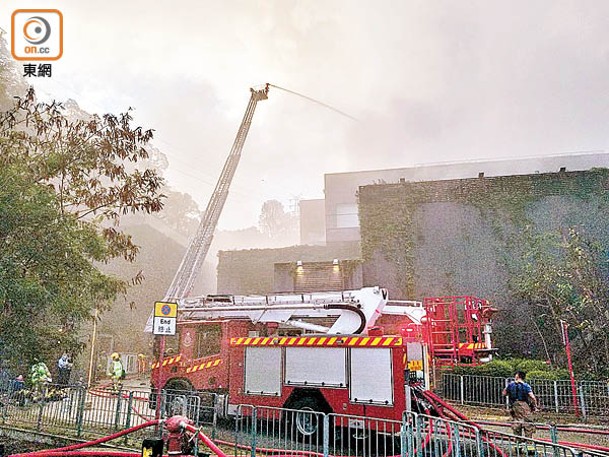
[(199, 245), (356, 310)]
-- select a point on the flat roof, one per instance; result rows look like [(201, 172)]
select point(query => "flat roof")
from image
[(575, 161)]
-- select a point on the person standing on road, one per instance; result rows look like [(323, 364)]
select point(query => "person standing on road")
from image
[(117, 372), (65, 368), (522, 405), (142, 365), (16, 390), (40, 377)]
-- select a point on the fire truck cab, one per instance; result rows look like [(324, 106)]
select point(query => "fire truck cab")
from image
[(351, 352)]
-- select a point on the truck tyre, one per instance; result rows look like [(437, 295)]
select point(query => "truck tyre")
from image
[(177, 398), (304, 421), (178, 386)]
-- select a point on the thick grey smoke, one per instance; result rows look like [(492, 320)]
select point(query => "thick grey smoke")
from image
[(429, 81)]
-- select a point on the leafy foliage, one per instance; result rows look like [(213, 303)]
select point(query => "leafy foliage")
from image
[(505, 368), (181, 212), (64, 185), (48, 282), (90, 163), (563, 276)]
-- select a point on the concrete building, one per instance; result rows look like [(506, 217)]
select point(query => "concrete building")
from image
[(342, 216), (435, 251), (327, 275), (312, 222), (467, 236), (291, 269)]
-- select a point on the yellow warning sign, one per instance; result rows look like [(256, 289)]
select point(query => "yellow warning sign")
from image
[(415, 365), (162, 309)]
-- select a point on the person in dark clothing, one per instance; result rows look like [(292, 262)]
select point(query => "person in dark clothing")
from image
[(522, 405), (17, 388), (18, 384), (64, 366)]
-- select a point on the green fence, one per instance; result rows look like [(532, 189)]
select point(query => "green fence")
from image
[(253, 431), (591, 397)]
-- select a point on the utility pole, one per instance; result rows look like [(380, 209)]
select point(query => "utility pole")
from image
[(564, 327), (93, 336)]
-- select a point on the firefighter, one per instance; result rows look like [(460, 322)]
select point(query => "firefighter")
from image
[(142, 365), (116, 372), (40, 377), (522, 405)]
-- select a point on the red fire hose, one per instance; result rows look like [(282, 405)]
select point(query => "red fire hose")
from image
[(208, 442), (435, 400), (56, 453), (88, 443), (430, 395)]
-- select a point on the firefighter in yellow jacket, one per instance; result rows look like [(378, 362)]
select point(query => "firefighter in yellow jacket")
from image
[(116, 372), (40, 377)]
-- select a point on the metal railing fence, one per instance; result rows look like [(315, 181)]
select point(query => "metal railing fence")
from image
[(555, 396), (255, 431), (48, 406), (364, 436), (101, 411), (276, 431), (266, 430)]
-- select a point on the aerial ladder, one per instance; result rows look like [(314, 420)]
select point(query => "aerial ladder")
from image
[(189, 268), (194, 257)]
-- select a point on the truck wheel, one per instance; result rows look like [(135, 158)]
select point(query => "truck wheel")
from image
[(305, 420), (177, 397), (178, 386)]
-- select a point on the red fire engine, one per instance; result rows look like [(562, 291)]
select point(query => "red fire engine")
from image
[(352, 352)]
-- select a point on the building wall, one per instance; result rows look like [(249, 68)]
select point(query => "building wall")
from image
[(318, 276), (454, 237), (312, 222), (252, 271), (342, 216)]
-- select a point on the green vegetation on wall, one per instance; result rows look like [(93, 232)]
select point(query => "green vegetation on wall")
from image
[(536, 245), (387, 212)]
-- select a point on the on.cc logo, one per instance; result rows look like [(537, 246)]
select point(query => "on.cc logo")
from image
[(37, 34)]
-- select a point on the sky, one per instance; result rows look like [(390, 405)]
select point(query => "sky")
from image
[(428, 82)]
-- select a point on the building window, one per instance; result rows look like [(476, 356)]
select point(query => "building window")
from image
[(346, 215)]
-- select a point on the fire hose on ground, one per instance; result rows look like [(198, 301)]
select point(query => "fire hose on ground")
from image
[(433, 397), (96, 442), (175, 426)]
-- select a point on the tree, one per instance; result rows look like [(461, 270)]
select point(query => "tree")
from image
[(90, 163), (275, 222), (65, 184), (181, 212), (562, 276), (47, 278)]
